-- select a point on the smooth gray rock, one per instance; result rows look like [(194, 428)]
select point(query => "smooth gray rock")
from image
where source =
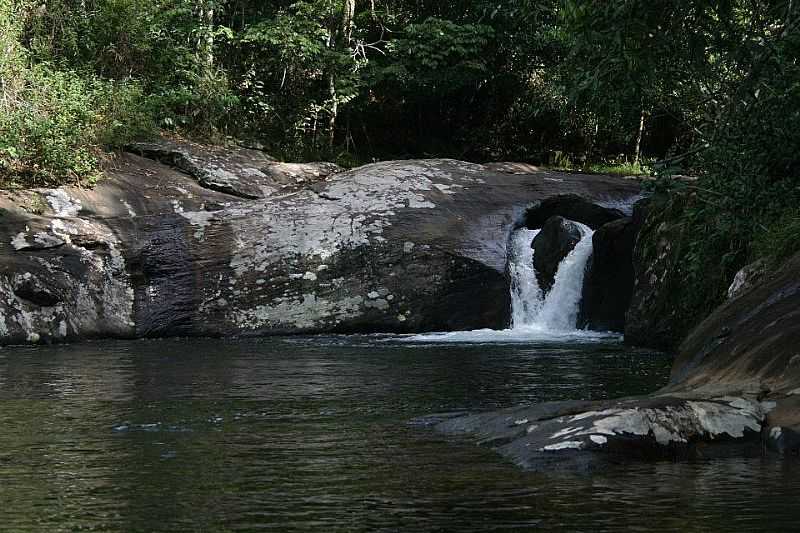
[(157, 249), (551, 245)]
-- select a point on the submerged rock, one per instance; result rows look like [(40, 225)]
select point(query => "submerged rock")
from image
[(199, 240), (551, 245), (590, 435)]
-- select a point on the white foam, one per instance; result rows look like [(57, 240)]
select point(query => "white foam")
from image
[(536, 317), (517, 335), (559, 312), (526, 296)]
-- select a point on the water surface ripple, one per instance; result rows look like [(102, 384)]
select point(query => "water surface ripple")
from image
[(313, 434)]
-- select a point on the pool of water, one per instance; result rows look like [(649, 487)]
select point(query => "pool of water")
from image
[(314, 434)]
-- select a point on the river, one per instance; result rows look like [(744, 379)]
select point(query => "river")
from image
[(318, 434)]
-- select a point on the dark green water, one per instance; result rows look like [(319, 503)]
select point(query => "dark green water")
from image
[(313, 434)]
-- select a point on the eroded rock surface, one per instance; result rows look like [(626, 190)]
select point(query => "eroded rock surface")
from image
[(197, 240), (587, 435), (608, 285), (581, 209), (551, 245)]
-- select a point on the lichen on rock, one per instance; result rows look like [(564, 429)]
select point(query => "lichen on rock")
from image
[(201, 240)]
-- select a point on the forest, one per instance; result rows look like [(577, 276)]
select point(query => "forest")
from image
[(659, 88), (399, 265)]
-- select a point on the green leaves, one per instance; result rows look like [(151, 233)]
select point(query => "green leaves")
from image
[(439, 54), (738, 82), (50, 138), (481, 79), (294, 39)]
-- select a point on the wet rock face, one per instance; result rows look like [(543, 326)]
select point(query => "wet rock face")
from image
[(572, 207), (551, 245), (62, 279), (653, 319), (608, 285), (198, 240)]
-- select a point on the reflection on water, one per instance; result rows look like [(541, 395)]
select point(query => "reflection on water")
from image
[(312, 434)]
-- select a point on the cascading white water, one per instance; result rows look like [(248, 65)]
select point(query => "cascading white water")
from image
[(526, 296), (534, 315), (558, 310)]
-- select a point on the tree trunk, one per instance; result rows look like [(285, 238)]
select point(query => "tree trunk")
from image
[(639, 135), (334, 109), (348, 13), (341, 44), (205, 44)]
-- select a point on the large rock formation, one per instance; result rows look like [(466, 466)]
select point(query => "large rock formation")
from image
[(590, 435), (196, 240), (551, 245), (654, 318), (609, 281), (735, 389), (750, 343), (242, 172)]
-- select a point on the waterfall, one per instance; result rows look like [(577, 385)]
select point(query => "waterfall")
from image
[(526, 296), (535, 316), (558, 310)]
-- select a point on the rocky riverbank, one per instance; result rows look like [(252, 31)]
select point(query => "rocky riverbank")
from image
[(182, 239), (734, 390), (185, 239)]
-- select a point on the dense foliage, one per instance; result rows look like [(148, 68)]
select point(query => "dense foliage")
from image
[(353, 80), (700, 87), (729, 72)]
